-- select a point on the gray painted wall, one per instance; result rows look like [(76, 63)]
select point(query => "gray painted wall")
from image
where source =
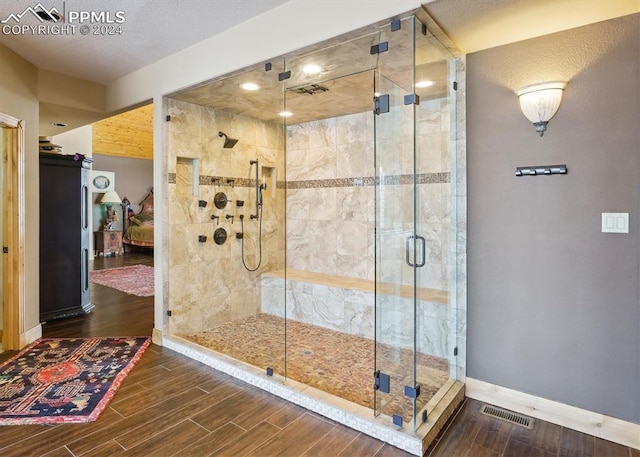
[(554, 304), (133, 179)]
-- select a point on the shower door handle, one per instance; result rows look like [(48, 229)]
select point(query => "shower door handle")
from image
[(424, 251), (407, 250)]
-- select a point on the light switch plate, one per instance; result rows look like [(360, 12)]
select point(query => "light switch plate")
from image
[(615, 222)]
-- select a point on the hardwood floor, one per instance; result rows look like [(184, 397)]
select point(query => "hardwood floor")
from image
[(472, 434), (116, 313), (172, 405)]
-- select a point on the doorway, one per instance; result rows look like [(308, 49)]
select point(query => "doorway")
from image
[(11, 230)]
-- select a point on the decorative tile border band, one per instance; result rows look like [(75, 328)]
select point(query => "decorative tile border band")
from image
[(224, 181), (423, 178)]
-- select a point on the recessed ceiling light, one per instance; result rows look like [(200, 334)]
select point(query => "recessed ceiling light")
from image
[(425, 83), (312, 69), (249, 86), (286, 114)]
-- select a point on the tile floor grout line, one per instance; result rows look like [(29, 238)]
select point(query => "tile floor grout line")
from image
[(190, 419), (44, 430), (69, 450), (232, 422)]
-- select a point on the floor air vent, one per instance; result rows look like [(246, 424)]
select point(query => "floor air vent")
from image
[(507, 415)]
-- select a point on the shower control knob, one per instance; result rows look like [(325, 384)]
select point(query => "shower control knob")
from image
[(220, 236), (220, 200)]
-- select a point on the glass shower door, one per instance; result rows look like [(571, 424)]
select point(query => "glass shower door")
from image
[(415, 320), (395, 246)]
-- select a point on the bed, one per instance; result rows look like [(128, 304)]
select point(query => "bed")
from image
[(138, 230)]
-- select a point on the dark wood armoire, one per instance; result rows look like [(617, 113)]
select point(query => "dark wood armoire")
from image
[(64, 236)]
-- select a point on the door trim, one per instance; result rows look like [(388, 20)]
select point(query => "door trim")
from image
[(13, 233)]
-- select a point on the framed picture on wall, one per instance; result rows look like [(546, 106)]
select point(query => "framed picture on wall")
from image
[(101, 181)]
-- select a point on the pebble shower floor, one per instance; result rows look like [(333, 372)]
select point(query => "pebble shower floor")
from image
[(337, 363)]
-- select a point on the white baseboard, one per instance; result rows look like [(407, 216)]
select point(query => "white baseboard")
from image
[(30, 335), (582, 420)]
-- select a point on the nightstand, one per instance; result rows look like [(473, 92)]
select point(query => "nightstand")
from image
[(109, 242)]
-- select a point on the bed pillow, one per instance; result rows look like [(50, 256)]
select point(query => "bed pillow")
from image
[(142, 219)]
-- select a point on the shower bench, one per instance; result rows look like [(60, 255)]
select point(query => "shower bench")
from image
[(346, 305)]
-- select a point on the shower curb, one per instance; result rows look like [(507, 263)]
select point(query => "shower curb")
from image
[(342, 411)]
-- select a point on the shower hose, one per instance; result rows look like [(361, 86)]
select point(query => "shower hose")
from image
[(259, 242)]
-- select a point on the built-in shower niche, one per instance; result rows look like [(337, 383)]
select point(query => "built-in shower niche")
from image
[(187, 176)]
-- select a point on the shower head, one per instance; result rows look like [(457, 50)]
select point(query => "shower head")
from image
[(228, 142)]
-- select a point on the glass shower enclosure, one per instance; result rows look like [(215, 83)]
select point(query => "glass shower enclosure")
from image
[(345, 281)]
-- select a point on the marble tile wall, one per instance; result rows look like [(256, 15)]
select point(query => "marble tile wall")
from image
[(330, 198), (329, 209), (330, 223), (208, 284), (330, 219), (351, 311)]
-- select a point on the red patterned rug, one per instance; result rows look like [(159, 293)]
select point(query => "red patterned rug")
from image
[(65, 380), (134, 279)]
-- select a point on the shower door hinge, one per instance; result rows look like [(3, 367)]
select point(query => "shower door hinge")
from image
[(455, 351), (395, 25), (284, 75), (169, 312), (424, 29), (412, 99), (167, 118), (378, 48), (397, 420), (382, 382), (267, 66), (455, 85), (5, 249), (381, 104), (412, 392)]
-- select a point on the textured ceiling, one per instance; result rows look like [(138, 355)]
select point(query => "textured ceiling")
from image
[(481, 24), (155, 29), (152, 30)]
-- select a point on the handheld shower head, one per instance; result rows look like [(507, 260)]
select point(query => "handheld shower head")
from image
[(228, 142)]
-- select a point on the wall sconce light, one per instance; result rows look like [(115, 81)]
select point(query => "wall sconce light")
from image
[(539, 102)]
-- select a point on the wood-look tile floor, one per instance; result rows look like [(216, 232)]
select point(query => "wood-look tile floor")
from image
[(473, 434), (171, 405)]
